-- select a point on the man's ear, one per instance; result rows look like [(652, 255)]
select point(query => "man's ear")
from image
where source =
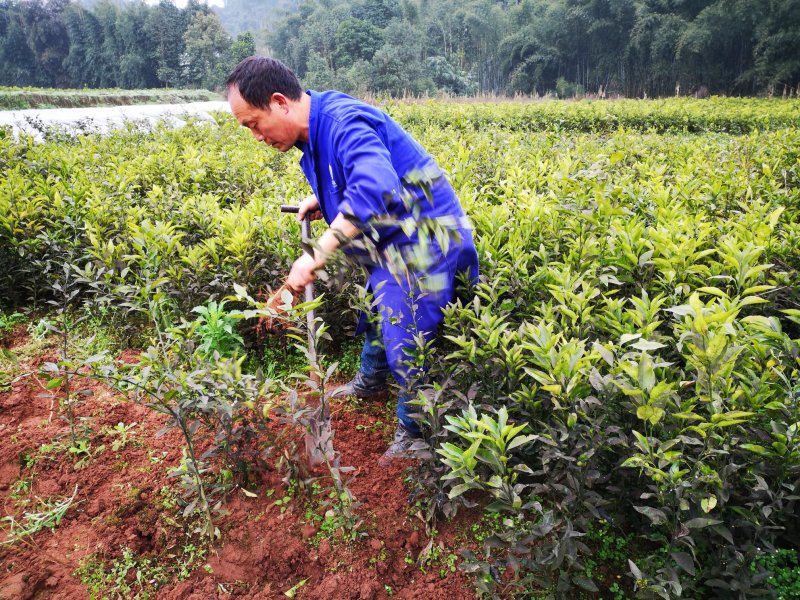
[(281, 101)]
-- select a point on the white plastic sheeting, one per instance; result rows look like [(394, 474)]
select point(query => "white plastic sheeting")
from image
[(104, 118)]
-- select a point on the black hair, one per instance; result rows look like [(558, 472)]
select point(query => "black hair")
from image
[(258, 77)]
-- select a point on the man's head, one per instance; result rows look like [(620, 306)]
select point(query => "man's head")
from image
[(266, 97)]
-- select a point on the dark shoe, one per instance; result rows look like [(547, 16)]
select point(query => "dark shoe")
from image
[(400, 447), (366, 388)]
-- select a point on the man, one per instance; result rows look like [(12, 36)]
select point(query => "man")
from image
[(375, 184)]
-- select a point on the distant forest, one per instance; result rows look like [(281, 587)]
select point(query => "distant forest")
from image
[(632, 48), (63, 44)]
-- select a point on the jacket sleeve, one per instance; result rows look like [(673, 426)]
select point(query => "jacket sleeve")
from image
[(371, 183)]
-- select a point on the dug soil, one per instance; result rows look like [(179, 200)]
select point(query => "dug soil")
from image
[(124, 504)]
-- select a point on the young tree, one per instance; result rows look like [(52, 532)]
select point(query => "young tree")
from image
[(84, 63), (17, 62), (106, 14), (165, 26), (137, 67), (207, 44), (47, 38), (777, 46)]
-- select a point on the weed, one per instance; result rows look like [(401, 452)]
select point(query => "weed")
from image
[(372, 427), (132, 576), (783, 566), (121, 434), (82, 451), (610, 548), (8, 322), (277, 362), (49, 517)]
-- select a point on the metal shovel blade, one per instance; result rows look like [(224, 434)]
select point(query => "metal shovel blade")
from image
[(319, 436)]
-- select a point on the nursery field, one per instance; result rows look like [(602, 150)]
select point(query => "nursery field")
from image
[(612, 412)]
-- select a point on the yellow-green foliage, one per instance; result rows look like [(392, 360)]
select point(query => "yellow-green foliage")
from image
[(637, 306), (729, 115)]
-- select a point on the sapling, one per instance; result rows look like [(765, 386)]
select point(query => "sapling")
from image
[(60, 263)]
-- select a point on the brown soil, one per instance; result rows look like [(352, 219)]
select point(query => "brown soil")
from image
[(263, 552)]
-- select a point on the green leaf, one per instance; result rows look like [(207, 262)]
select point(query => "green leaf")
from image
[(655, 515), (701, 522), (647, 374), (685, 561), (757, 289), (755, 448), (708, 504), (459, 489), (241, 291), (54, 383), (637, 461), (648, 345), (519, 441), (687, 416), (585, 583), (713, 290), (604, 353), (642, 441), (652, 414)]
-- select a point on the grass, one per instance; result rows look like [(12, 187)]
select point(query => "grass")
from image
[(16, 98)]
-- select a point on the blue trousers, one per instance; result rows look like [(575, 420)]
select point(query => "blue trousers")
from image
[(410, 312)]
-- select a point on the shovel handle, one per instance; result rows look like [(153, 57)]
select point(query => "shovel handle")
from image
[(305, 231), (305, 226)]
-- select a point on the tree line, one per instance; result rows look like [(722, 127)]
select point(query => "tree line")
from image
[(633, 48), (628, 47), (62, 44)]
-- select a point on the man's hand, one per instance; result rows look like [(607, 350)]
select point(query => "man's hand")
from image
[(309, 205), (302, 273)]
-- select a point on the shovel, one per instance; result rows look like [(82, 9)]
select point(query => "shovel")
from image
[(319, 437)]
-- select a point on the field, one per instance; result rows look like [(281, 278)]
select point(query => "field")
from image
[(19, 98), (611, 413)]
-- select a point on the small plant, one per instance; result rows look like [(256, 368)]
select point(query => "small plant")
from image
[(82, 450), (132, 576), (491, 442), (41, 329), (784, 568), (121, 434), (8, 322), (215, 328)]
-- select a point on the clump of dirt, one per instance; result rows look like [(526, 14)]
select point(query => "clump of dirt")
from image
[(124, 499)]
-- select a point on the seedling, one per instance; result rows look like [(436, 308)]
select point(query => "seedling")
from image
[(121, 433)]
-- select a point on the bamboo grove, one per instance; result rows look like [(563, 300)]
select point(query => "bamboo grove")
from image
[(633, 48)]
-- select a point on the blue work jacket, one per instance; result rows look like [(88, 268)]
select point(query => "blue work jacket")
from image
[(361, 163)]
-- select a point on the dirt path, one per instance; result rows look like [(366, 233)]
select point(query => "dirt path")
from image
[(125, 499)]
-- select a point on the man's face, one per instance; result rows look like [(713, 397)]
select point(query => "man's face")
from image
[(272, 126)]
